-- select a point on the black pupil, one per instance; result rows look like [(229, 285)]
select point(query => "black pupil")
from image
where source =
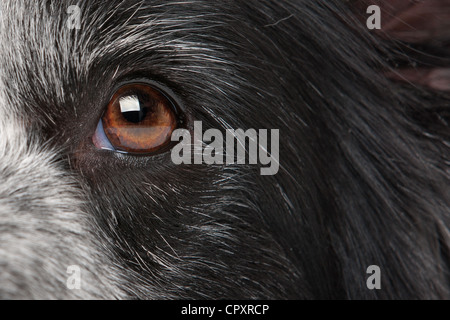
[(135, 116), (134, 108)]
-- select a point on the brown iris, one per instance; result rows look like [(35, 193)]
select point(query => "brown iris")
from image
[(139, 119)]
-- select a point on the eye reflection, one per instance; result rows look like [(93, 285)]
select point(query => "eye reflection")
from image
[(131, 109)]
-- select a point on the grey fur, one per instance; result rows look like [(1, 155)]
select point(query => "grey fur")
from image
[(43, 229), (364, 180)]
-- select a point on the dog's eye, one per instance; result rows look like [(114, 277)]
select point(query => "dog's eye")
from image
[(139, 119)]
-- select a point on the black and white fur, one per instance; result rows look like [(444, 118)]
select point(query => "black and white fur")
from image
[(364, 177)]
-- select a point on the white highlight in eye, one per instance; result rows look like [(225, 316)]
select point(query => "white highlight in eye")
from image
[(129, 103)]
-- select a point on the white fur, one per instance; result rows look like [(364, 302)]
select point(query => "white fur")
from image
[(43, 229)]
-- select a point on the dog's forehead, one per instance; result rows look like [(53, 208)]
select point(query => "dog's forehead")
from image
[(38, 55), (60, 62), (54, 52)]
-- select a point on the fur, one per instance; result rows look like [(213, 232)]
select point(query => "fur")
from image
[(364, 176)]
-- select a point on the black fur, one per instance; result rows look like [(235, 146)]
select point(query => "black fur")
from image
[(364, 176)]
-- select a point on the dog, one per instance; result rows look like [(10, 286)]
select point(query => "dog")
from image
[(363, 175)]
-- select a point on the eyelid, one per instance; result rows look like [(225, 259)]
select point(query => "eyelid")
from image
[(161, 85)]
